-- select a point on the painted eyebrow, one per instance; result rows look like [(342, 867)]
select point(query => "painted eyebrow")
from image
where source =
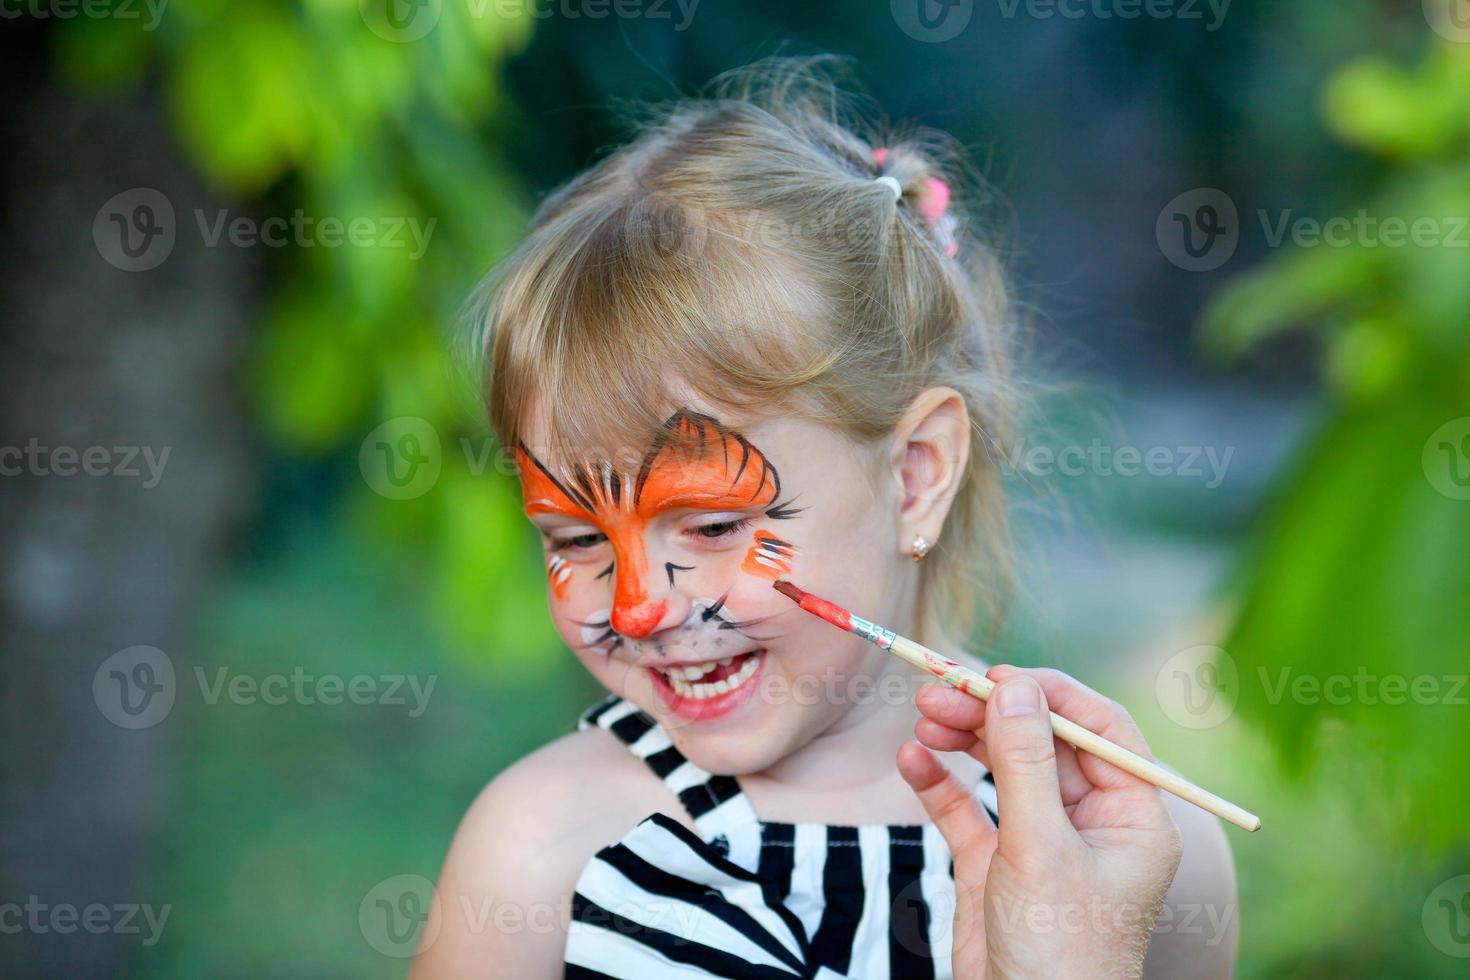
[(572, 494)]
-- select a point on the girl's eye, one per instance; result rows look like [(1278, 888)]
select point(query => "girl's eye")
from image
[(721, 530), (579, 543)]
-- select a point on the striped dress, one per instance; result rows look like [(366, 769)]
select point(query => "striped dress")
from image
[(746, 897)]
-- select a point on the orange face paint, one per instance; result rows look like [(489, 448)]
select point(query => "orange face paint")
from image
[(558, 573), (694, 464), (769, 558)]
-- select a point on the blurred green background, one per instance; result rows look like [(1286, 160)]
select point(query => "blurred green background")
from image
[(1328, 381)]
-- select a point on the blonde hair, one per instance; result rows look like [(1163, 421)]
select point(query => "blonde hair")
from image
[(741, 246)]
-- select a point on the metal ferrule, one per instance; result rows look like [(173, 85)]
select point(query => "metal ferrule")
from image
[(872, 632)]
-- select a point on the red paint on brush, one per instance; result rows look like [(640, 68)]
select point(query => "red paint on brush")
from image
[(817, 606), (938, 667)]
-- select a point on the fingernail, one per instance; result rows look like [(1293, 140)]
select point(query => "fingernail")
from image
[(1019, 696)]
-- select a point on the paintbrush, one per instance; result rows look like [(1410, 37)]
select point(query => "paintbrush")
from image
[(977, 685)]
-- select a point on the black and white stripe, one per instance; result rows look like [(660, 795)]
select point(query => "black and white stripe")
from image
[(803, 900)]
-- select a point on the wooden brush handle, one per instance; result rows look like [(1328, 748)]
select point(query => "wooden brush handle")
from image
[(979, 686)]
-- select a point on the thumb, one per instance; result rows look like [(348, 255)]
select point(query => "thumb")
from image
[(1023, 759)]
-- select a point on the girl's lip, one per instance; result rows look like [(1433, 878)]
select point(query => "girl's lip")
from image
[(707, 709)]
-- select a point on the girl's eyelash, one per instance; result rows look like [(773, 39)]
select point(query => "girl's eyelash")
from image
[(567, 544), (730, 528), (593, 539)]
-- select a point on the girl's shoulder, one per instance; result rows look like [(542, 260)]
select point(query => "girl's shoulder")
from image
[(523, 844), (580, 792)]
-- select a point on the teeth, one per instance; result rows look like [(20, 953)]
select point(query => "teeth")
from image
[(727, 661), (680, 679)]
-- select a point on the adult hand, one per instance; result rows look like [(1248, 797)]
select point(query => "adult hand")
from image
[(1070, 885)]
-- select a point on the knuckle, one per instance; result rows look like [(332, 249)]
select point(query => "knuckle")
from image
[(1026, 753)]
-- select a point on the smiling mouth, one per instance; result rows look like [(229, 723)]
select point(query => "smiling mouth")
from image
[(700, 682)]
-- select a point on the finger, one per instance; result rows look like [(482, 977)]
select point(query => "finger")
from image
[(1070, 775), (942, 738), (1023, 759), (952, 808), (949, 707), (1077, 702)]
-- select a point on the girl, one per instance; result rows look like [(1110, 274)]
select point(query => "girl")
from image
[(749, 345)]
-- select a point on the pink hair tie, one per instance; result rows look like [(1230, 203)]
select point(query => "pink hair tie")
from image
[(933, 207)]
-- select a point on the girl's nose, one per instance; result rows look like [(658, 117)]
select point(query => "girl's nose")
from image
[(642, 620), (648, 596)]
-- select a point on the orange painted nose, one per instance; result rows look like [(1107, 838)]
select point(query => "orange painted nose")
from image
[(639, 621)]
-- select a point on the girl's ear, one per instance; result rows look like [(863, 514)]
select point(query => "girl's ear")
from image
[(928, 455)]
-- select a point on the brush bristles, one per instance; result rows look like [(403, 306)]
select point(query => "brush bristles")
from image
[(790, 591)]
